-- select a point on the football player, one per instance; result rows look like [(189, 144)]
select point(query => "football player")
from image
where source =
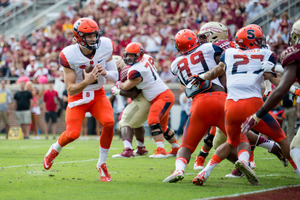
[(290, 59), (85, 89), (207, 108), (133, 116), (244, 76), (143, 75), (217, 33)]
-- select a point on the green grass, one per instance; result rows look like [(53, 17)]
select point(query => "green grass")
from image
[(74, 174)]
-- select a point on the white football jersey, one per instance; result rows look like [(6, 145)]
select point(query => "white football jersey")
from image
[(198, 62), (72, 57), (151, 84), (244, 73)]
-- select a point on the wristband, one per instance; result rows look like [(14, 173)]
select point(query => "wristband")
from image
[(261, 112), (202, 76)]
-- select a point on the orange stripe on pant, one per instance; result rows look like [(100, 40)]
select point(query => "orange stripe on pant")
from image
[(101, 109), (160, 108), (207, 110), (236, 114)]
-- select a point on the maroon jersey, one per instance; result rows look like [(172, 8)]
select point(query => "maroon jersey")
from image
[(225, 44), (290, 55)]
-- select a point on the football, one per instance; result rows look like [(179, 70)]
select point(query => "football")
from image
[(88, 69), (123, 73)]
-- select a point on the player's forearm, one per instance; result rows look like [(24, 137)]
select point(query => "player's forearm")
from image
[(214, 73), (76, 88), (130, 93)]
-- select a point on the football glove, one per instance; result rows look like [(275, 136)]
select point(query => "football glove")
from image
[(249, 123)]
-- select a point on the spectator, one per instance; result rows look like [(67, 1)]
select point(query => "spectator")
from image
[(274, 24), (32, 66), (51, 105), (165, 74), (285, 36), (23, 104), (5, 105), (254, 9), (41, 71), (284, 22)]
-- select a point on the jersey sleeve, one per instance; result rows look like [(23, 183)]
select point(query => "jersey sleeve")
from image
[(291, 54), (63, 60), (217, 50), (222, 58), (134, 74), (273, 58)]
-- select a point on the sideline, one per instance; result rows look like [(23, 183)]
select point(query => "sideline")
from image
[(247, 193)]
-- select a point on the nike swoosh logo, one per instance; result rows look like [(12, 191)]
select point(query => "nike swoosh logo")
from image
[(99, 61)]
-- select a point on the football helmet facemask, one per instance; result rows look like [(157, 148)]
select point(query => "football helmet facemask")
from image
[(83, 27), (137, 50), (295, 34), (212, 32)]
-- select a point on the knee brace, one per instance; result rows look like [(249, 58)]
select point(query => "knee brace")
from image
[(209, 140), (168, 137), (153, 130)]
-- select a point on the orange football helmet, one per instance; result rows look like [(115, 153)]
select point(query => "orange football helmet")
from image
[(83, 27), (137, 50), (249, 37), (186, 41)]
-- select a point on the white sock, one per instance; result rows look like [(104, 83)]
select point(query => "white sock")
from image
[(160, 143), (180, 163), (244, 156), (140, 144), (103, 153), (175, 145), (267, 145), (210, 166), (127, 144), (57, 147)]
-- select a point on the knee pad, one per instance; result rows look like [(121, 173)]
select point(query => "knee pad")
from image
[(156, 132), (209, 140), (168, 137)]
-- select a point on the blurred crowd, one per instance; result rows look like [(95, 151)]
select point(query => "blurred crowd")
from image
[(150, 22)]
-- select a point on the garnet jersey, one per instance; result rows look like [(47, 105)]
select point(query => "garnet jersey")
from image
[(244, 73), (72, 57), (199, 61), (225, 44), (151, 84), (290, 55)]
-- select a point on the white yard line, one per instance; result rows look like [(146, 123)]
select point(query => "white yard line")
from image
[(245, 193)]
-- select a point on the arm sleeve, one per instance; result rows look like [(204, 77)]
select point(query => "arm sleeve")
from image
[(112, 71)]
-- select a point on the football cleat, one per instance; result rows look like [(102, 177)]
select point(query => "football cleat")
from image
[(200, 178), (173, 152), (140, 151), (199, 162), (160, 153), (247, 171), (105, 176), (251, 161), (235, 174), (176, 176), (276, 150), (127, 153), (50, 157)]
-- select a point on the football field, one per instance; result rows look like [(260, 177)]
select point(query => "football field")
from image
[(74, 174)]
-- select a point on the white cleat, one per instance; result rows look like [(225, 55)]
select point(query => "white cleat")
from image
[(176, 176), (247, 171)]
